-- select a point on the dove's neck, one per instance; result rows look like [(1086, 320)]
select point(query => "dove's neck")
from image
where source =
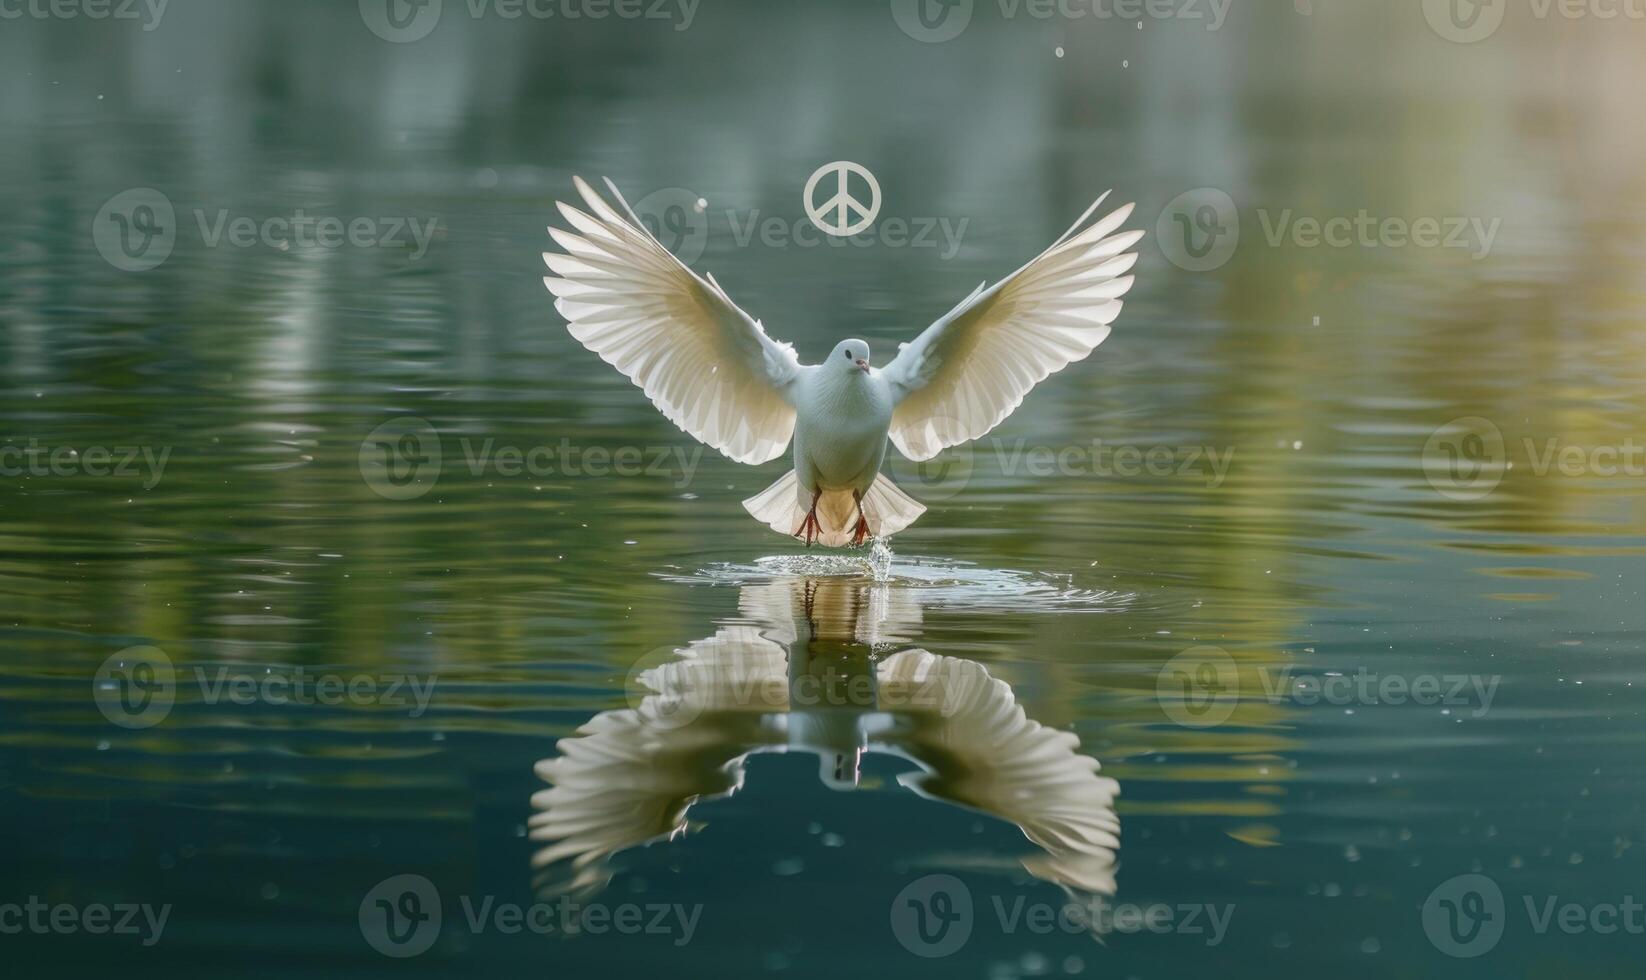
[(850, 393)]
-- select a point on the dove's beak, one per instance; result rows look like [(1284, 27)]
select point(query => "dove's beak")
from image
[(863, 365)]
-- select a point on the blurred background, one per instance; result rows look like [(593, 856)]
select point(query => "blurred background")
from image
[(271, 306)]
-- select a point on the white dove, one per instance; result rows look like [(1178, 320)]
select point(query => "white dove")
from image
[(713, 371)]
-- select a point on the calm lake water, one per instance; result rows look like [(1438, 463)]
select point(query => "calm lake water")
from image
[(319, 562)]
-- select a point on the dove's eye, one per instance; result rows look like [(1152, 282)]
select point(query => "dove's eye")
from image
[(848, 354)]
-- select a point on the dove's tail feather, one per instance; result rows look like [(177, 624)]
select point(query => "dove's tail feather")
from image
[(783, 505)]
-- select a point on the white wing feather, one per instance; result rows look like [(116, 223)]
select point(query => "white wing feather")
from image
[(972, 368), (707, 365)]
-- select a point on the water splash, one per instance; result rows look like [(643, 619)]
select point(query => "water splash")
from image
[(930, 581)]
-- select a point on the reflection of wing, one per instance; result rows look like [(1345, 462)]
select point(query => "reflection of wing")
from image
[(970, 369), (979, 750), (705, 363), (628, 777)]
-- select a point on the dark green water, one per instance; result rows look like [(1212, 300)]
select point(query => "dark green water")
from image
[(1315, 517)]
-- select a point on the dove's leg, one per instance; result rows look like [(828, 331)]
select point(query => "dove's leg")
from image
[(809, 527), (861, 531)]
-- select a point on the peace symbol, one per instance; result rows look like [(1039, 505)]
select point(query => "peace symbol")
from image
[(842, 205)]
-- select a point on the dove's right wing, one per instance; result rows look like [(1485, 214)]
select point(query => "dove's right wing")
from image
[(703, 362), (628, 777)]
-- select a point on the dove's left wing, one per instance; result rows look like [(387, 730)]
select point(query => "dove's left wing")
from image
[(970, 369), (703, 362), (979, 750)]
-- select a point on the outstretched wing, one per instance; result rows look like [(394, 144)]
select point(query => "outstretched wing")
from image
[(970, 369), (629, 776), (979, 750), (703, 362)]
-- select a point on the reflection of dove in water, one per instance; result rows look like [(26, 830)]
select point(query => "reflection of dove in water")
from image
[(711, 368), (807, 683)]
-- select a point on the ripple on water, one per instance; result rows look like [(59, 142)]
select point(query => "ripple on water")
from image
[(936, 581)]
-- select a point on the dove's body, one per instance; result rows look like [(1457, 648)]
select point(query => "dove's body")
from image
[(840, 427), (712, 369)]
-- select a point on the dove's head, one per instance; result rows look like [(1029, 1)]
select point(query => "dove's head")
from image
[(850, 355)]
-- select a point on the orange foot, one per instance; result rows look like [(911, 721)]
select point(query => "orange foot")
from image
[(809, 527)]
